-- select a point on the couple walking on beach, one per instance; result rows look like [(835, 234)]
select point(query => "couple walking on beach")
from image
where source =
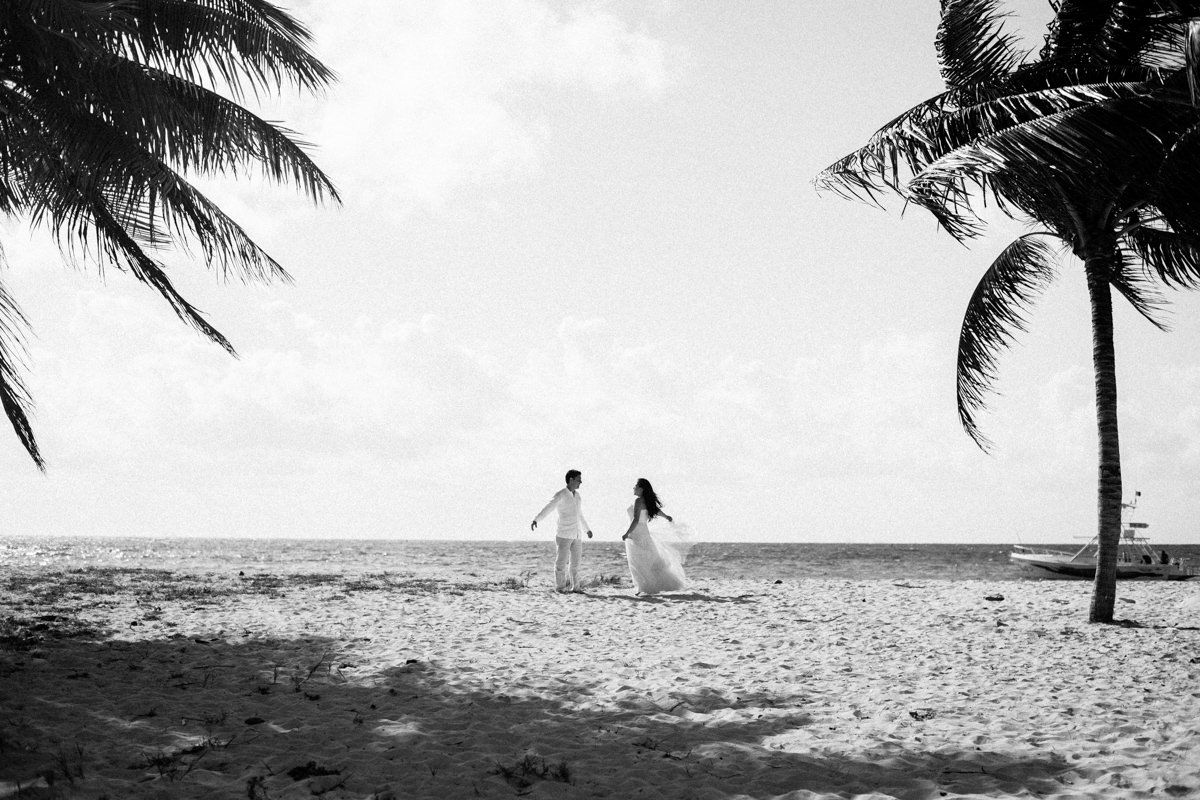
[(655, 545)]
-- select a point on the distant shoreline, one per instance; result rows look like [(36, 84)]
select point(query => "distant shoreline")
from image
[(503, 560), (549, 539)]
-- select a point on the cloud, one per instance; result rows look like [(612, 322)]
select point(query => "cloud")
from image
[(440, 94), (120, 384), (382, 424)]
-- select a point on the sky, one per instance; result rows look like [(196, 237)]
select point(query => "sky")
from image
[(584, 235)]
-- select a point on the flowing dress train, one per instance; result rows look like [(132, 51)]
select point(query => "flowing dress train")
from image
[(656, 550)]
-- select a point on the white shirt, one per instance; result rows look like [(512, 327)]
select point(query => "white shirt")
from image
[(571, 523)]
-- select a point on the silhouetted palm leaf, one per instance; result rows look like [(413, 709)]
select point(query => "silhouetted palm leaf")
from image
[(13, 395), (105, 107), (1173, 257), (972, 45), (996, 311)]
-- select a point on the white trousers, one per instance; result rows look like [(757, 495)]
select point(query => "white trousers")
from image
[(566, 565)]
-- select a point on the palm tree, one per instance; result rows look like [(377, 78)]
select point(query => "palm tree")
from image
[(1096, 142), (110, 108)]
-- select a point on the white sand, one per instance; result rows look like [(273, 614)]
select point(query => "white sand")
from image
[(811, 689)]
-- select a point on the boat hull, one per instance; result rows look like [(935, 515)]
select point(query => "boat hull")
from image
[(1070, 567)]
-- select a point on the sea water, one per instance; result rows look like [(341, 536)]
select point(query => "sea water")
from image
[(524, 560)]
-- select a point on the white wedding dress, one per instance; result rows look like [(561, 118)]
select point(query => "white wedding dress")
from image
[(656, 550)]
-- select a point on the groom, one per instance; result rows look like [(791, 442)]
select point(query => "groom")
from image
[(568, 502)]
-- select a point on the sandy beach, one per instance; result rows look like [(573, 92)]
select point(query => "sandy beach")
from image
[(146, 684)]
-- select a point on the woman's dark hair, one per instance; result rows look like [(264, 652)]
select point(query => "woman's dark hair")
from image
[(649, 498)]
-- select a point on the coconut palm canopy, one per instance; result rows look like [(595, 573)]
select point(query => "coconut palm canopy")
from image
[(108, 111), (1096, 140)]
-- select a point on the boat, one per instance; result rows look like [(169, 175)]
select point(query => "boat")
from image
[(1135, 557)]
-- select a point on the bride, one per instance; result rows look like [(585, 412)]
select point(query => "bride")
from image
[(655, 549)]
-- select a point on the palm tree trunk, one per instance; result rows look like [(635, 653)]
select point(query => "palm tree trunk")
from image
[(1098, 267)]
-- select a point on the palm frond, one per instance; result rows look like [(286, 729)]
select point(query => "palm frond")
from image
[(875, 166), (1146, 32), (1041, 162), (1181, 9), (197, 129), (948, 188), (151, 201), (1134, 285), (1076, 30), (79, 24), (1192, 53), (81, 217), (1036, 75), (1165, 47), (14, 397), (1178, 178), (106, 106), (11, 157), (1173, 257), (915, 141), (240, 44), (119, 244), (1136, 30), (995, 313), (972, 46), (983, 119)]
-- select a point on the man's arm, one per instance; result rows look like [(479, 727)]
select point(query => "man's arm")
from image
[(549, 507), (583, 521)]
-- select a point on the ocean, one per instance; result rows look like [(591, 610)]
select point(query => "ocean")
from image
[(531, 561)]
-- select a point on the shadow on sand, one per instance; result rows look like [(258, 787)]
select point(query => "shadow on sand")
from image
[(677, 597), (257, 718)]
